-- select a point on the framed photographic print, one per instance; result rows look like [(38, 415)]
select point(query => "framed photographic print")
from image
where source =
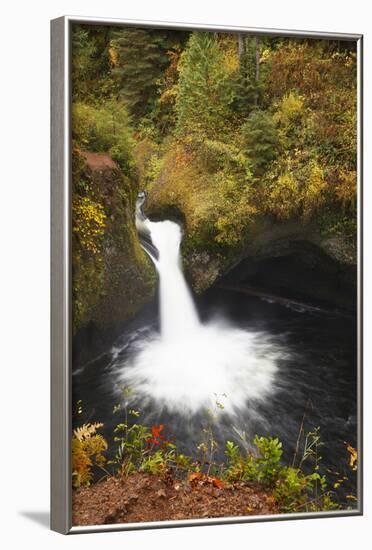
[(206, 274)]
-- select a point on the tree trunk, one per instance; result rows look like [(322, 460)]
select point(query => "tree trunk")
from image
[(257, 58), (241, 46)]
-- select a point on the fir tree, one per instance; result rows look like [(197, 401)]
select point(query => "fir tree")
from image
[(140, 58), (246, 85), (203, 94), (260, 140), (91, 65)]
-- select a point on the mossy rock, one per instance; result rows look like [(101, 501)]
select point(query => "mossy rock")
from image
[(113, 281)]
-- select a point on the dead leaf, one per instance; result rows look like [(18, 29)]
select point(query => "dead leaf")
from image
[(195, 476), (218, 482), (353, 457), (204, 479)]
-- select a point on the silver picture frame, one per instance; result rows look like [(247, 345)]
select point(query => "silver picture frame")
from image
[(61, 425)]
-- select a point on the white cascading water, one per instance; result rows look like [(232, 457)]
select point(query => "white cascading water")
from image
[(190, 365), (178, 315)]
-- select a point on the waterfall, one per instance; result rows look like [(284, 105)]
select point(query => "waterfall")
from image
[(178, 315), (191, 365)]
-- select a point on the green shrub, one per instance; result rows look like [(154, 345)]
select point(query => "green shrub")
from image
[(104, 129), (292, 489), (155, 464), (263, 466)]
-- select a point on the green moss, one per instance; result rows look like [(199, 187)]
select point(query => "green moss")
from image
[(112, 277)]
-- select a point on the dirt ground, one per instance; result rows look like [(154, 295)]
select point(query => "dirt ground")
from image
[(99, 161), (145, 498)]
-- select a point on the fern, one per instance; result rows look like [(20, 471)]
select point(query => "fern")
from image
[(87, 451), (87, 430)]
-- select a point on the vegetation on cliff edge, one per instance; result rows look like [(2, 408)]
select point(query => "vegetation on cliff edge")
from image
[(223, 130), (139, 449)]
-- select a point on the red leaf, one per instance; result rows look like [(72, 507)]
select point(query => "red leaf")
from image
[(155, 430)]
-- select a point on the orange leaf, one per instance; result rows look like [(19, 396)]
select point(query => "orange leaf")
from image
[(195, 476), (353, 456), (204, 478), (218, 482)]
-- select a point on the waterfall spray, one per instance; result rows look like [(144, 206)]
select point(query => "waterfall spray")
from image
[(190, 363)]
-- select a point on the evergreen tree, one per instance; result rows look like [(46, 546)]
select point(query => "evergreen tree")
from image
[(91, 65), (203, 94), (140, 59), (247, 85), (260, 140)]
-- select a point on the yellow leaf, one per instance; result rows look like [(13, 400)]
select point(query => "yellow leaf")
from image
[(353, 457), (87, 430)]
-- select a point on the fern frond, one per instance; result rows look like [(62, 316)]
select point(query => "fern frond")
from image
[(87, 451), (87, 430)]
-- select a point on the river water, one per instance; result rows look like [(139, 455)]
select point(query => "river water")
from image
[(271, 364)]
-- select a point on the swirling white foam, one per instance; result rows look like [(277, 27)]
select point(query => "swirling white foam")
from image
[(189, 365)]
